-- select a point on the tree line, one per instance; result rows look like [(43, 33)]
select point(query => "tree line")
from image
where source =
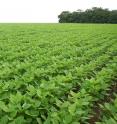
[(93, 15)]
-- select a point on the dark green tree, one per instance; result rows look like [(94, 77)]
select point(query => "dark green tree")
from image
[(94, 15)]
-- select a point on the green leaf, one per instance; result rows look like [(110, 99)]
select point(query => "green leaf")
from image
[(67, 119), (39, 120), (16, 98), (4, 120), (72, 109), (3, 107), (18, 120), (32, 112), (32, 90)]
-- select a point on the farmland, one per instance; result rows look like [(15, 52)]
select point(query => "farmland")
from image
[(58, 74)]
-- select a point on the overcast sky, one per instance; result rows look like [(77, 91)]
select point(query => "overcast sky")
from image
[(45, 10)]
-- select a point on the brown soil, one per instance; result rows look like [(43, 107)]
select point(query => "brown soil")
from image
[(107, 98)]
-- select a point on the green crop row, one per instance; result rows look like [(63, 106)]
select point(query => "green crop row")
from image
[(109, 112), (54, 73)]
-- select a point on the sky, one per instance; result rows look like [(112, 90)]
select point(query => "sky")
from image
[(45, 11)]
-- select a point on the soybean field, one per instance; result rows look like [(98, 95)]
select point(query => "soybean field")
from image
[(58, 74)]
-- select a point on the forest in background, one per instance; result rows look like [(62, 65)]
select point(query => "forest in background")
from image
[(93, 15)]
